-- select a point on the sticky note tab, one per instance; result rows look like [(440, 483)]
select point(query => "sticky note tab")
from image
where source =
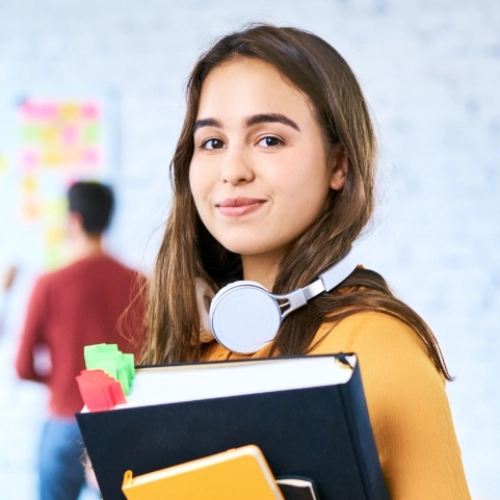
[(111, 360), (99, 391)]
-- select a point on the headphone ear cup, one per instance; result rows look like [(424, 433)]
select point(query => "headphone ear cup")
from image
[(244, 317)]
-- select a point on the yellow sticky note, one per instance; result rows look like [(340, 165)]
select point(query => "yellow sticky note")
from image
[(70, 111), (29, 184)]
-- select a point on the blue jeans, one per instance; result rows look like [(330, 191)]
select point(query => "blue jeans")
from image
[(61, 472)]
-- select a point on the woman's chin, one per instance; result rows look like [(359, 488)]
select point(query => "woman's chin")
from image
[(254, 250)]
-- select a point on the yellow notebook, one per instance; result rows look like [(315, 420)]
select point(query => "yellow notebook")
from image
[(238, 474)]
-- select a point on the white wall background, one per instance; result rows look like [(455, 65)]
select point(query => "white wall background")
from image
[(431, 72)]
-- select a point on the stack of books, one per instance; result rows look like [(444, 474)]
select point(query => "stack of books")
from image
[(210, 426)]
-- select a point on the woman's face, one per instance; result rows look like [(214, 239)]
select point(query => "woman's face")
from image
[(260, 171)]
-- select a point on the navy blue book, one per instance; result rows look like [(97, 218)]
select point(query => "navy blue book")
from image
[(307, 414)]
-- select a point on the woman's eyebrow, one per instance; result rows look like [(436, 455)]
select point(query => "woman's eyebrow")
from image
[(206, 122), (270, 118), (249, 122)]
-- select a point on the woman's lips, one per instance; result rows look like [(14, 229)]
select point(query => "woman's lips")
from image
[(239, 206)]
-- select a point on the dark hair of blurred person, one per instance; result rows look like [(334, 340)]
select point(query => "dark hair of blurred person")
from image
[(94, 203)]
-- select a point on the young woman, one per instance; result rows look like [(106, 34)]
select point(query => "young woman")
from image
[(273, 182)]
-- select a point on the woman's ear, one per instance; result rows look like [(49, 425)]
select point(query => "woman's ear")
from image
[(204, 296), (339, 171)]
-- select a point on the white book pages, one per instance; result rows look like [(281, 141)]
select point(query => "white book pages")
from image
[(175, 384)]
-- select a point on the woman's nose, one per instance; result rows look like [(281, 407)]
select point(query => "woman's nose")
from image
[(236, 167)]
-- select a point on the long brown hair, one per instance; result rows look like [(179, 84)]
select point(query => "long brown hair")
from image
[(188, 250)]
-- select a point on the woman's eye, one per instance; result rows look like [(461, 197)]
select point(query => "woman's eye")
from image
[(270, 141), (212, 144)]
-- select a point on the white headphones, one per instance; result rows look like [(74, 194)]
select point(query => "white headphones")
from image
[(244, 316)]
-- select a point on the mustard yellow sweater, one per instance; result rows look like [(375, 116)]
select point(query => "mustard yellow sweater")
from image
[(407, 403)]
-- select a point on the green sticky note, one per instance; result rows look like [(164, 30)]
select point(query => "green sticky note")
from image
[(111, 360)]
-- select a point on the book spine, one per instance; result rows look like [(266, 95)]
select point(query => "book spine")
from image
[(354, 404)]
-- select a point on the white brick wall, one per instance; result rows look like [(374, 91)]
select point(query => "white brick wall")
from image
[(431, 72)]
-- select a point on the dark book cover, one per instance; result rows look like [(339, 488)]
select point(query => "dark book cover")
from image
[(323, 433)]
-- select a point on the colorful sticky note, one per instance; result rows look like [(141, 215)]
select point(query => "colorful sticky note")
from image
[(51, 158), (118, 365), (69, 135), (31, 133), (99, 391), (90, 157), (90, 111), (29, 159), (46, 111), (55, 208), (30, 210), (49, 135), (55, 236), (29, 184), (91, 134), (69, 111)]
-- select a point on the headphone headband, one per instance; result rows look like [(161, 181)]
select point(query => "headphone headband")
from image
[(244, 316), (327, 281)]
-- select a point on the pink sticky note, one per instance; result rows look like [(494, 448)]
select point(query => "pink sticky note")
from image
[(90, 111), (90, 156), (38, 111), (69, 134), (27, 110), (99, 391), (29, 159)]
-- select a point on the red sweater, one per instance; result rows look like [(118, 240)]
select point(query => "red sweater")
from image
[(73, 307)]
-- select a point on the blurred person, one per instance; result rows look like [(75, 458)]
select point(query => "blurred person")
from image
[(78, 305)]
